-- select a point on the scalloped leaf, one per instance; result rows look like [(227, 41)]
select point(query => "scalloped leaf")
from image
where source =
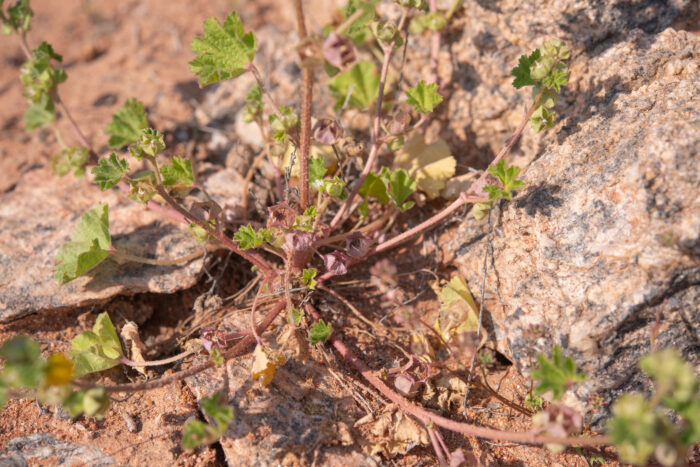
[(126, 124), (88, 245), (223, 51)]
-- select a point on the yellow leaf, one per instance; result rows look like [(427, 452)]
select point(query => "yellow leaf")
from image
[(59, 370), (459, 312), (264, 364), (429, 164)]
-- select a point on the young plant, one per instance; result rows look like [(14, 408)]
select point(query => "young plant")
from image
[(285, 250)]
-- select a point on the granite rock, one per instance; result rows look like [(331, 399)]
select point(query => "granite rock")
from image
[(39, 214), (482, 44), (602, 249), (46, 448)]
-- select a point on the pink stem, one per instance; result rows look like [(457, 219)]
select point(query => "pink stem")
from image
[(429, 418), (464, 198), (436, 447), (376, 141)]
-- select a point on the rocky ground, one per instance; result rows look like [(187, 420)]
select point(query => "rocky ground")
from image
[(601, 249)]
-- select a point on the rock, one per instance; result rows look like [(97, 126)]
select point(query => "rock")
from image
[(40, 214), (45, 447), (296, 416), (606, 236), (482, 44)]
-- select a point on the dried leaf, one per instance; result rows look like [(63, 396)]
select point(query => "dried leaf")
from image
[(431, 165), (265, 362), (130, 335), (293, 343), (397, 433)]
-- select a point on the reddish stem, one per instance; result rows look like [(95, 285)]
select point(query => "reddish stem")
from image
[(254, 258), (429, 418), (376, 140), (307, 76), (464, 197)]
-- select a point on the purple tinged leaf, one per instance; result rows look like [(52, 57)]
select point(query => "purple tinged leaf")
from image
[(297, 240), (281, 215), (212, 337), (407, 386), (336, 263), (327, 131), (357, 245), (338, 50), (558, 420)]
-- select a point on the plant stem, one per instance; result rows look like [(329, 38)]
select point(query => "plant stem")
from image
[(464, 198), (258, 340), (76, 129), (376, 141), (307, 76), (24, 45), (261, 84), (254, 258), (429, 418), (434, 49), (239, 349), (156, 262), (125, 361), (433, 221), (155, 207), (437, 447)]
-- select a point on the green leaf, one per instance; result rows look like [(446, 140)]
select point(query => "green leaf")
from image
[(282, 126), (335, 188), (320, 332), (297, 315), (110, 171), (24, 366), (359, 31), (363, 79), (374, 186), (92, 402), (88, 245), (254, 106), (480, 210), (247, 237), (317, 170), (127, 123), (634, 427), (308, 278), (556, 375), (672, 375), (40, 79), (70, 160), (142, 186), (542, 119), (508, 177), (424, 97), (216, 356), (180, 172), (149, 143), (196, 433), (433, 21), (223, 51), (39, 113), (522, 71), (401, 186), (18, 17), (96, 350)]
